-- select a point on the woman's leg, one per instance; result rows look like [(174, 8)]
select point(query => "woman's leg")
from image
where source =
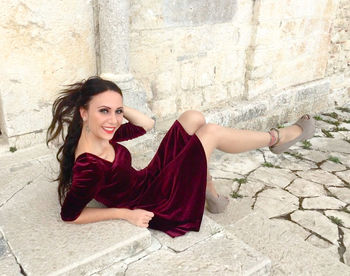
[(232, 140)]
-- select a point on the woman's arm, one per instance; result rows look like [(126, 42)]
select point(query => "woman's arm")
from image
[(138, 217), (137, 118)]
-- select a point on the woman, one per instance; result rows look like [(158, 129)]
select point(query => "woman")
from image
[(169, 194)]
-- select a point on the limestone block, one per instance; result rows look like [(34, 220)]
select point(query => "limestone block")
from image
[(344, 217), (236, 210), (190, 99), (318, 223), (341, 193), (296, 165), (241, 163), (322, 202), (251, 187), (31, 209), (218, 255), (330, 166), (315, 241), (276, 202), (182, 243), (145, 15), (344, 158), (187, 76), (214, 94), (273, 177), (205, 73), (304, 188), (321, 177), (289, 253), (163, 85), (345, 175), (165, 107), (9, 266), (313, 155), (229, 65)]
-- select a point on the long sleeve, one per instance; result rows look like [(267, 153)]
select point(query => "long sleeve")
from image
[(86, 176), (128, 131)]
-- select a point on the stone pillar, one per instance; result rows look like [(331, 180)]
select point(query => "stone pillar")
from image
[(113, 26)]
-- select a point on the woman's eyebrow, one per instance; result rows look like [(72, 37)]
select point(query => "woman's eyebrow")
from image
[(109, 107)]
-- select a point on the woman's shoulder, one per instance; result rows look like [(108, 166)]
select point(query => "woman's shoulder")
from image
[(88, 160)]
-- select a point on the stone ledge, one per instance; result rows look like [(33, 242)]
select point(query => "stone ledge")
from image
[(43, 244)]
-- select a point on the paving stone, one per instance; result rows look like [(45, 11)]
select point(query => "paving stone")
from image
[(323, 125), (332, 166), (345, 175), (321, 177), (293, 228), (3, 247), (221, 255), (208, 229), (343, 157), (117, 269), (300, 165), (330, 145), (320, 243), (345, 125), (313, 155), (346, 242), (346, 134), (345, 217), (242, 163), (342, 193), (9, 266), (71, 249), (276, 202), (251, 187), (318, 223), (304, 188), (273, 177), (322, 202), (236, 209), (289, 253), (223, 186)]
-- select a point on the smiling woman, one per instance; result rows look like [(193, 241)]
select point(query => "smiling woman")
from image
[(169, 193)]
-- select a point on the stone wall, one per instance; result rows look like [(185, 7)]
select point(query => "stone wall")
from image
[(189, 54), (44, 44), (268, 60)]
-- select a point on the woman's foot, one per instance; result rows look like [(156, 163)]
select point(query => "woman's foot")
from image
[(284, 138), (215, 203)]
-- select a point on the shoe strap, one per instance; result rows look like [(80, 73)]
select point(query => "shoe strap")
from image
[(273, 139)]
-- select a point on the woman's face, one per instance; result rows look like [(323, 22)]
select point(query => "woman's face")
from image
[(104, 115)]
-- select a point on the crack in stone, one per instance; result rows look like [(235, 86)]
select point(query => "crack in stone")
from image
[(22, 271), (341, 247), (27, 184), (256, 195)]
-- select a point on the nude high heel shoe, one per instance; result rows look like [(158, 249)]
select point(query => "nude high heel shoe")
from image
[(307, 124), (215, 204)]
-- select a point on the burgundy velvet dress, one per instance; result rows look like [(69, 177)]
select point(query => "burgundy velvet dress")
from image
[(172, 185)]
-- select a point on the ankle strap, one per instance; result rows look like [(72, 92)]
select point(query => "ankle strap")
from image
[(273, 139)]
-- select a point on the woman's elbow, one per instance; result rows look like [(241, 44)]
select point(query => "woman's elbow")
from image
[(150, 125)]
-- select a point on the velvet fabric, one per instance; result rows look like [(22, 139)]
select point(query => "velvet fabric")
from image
[(172, 185)]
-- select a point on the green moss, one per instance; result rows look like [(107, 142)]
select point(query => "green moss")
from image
[(334, 159), (336, 220), (332, 115), (13, 149), (240, 180), (236, 195), (327, 133), (343, 109), (306, 145), (317, 118), (296, 155)]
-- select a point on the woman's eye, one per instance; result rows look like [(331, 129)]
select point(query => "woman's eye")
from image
[(104, 111), (119, 111)]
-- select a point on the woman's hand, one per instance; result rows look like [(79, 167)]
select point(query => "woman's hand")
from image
[(140, 217)]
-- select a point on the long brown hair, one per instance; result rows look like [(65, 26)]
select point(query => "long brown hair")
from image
[(65, 112)]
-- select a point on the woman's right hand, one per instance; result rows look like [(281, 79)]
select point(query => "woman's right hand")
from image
[(140, 217)]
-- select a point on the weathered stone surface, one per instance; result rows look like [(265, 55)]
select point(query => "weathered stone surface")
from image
[(81, 243), (342, 193), (304, 188), (208, 229), (315, 241), (221, 254), (289, 253), (313, 155), (345, 217), (236, 209), (346, 241), (345, 175), (276, 202), (322, 202), (318, 223), (343, 157), (273, 177), (330, 166), (330, 145), (9, 266), (251, 187), (242, 163), (300, 165), (321, 177)]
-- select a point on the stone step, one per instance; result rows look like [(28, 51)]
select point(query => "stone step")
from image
[(208, 252), (289, 253), (44, 245)]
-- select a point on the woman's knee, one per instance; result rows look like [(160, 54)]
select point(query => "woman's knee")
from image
[(208, 129), (192, 120)]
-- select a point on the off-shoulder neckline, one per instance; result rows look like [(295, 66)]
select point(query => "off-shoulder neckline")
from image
[(98, 157)]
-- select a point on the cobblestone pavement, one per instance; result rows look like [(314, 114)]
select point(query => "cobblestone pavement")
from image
[(307, 187), (289, 214)]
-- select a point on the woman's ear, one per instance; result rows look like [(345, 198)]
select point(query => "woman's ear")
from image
[(83, 113)]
